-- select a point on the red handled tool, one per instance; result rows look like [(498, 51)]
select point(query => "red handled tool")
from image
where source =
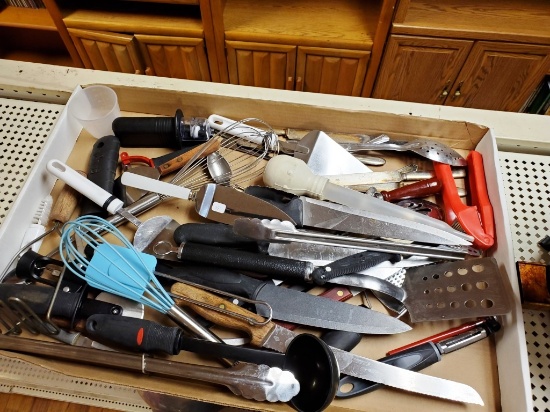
[(475, 220)]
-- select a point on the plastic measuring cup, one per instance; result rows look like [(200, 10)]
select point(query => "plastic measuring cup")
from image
[(95, 108)]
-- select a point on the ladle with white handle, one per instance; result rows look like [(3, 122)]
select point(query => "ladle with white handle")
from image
[(292, 175)]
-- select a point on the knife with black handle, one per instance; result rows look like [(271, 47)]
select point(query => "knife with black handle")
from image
[(279, 267), (418, 357), (214, 234)]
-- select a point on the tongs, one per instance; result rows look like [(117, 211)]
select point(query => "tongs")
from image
[(476, 220)]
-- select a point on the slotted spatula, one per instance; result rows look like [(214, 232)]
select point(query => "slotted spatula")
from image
[(456, 290)]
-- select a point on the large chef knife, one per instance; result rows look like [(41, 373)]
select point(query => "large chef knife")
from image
[(272, 336), (309, 212), (291, 305)]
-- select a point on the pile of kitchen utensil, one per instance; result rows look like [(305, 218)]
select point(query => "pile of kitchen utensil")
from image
[(274, 218)]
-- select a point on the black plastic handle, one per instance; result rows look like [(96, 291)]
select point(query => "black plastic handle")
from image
[(341, 339), (138, 335), (67, 305), (351, 264), (291, 205), (413, 359), (214, 234), (101, 171), (218, 278), (273, 266)]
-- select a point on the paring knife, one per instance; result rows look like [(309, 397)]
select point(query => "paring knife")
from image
[(271, 336), (290, 305)]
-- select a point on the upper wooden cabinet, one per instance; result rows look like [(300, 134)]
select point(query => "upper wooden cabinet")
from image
[(484, 54), (420, 69), (261, 65), (327, 46), (500, 76), (108, 51), (178, 57), (309, 69), (482, 75), (334, 71)]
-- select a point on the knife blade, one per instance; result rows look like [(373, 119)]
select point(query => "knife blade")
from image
[(293, 176), (272, 336), (291, 305), (276, 231)]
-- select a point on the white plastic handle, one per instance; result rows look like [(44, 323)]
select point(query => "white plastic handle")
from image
[(84, 186), (156, 186)]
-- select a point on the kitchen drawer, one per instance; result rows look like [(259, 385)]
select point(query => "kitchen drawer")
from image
[(501, 379)]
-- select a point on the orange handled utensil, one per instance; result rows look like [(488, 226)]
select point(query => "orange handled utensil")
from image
[(461, 216)]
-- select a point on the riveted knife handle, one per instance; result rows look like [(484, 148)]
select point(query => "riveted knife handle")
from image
[(218, 278), (422, 188), (280, 199), (413, 359), (257, 333), (214, 234), (351, 264), (134, 334), (277, 267), (101, 171), (178, 162)]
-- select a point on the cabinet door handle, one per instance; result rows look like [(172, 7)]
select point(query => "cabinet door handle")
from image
[(149, 71), (299, 84), (445, 92), (457, 92), (289, 82)]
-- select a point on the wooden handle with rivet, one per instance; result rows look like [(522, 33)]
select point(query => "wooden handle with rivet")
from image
[(180, 161), (257, 333)]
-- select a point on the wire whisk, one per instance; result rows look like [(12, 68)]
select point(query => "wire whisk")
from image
[(241, 154), (118, 268)]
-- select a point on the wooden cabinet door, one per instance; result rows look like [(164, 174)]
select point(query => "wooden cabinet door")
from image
[(178, 57), (500, 76), (107, 51), (261, 65), (420, 69), (334, 71)]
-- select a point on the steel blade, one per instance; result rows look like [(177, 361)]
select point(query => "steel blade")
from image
[(371, 370), (304, 309), (328, 215)]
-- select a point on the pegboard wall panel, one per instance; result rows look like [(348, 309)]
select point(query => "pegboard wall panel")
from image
[(527, 186), (24, 128)]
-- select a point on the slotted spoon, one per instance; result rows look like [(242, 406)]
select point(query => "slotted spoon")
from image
[(429, 149)]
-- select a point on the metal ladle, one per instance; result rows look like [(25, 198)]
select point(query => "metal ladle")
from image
[(219, 168)]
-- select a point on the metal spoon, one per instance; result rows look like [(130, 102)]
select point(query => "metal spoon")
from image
[(219, 168)]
